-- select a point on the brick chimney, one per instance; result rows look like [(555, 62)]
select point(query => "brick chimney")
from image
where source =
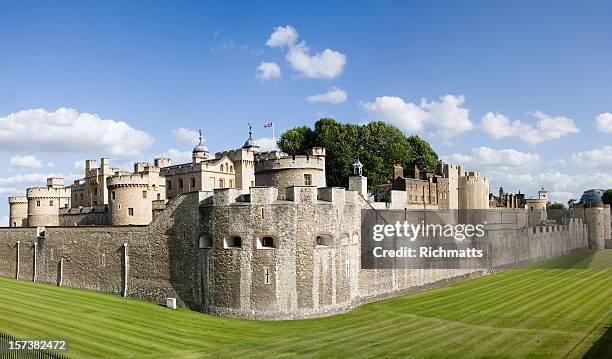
[(398, 170)]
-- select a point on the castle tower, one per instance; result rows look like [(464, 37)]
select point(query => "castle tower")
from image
[(280, 170), (200, 151), (132, 196), (44, 203), (357, 181), (542, 194), (473, 191), (18, 211)]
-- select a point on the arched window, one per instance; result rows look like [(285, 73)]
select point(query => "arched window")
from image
[(324, 240), (233, 242), (267, 242)]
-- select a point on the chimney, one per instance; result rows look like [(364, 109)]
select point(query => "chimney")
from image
[(417, 174), (398, 170)]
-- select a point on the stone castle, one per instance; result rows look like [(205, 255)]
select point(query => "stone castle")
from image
[(258, 234)]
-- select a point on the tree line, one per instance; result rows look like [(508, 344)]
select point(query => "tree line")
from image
[(378, 146)]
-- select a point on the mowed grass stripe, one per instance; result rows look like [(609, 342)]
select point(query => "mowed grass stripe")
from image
[(543, 310)]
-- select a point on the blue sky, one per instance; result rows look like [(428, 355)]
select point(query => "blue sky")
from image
[(538, 73)]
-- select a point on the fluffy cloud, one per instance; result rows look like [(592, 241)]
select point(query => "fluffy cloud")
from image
[(447, 116), (560, 186), (603, 122), (485, 158), (177, 156), (596, 158), (266, 144), (334, 96), (25, 161), (67, 130), (283, 36), (186, 135), (268, 70), (547, 128), (326, 64)]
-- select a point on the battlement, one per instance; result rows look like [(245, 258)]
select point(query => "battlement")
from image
[(277, 160), (55, 182), (134, 179), (18, 199), (269, 195), (82, 210), (46, 192), (239, 154)]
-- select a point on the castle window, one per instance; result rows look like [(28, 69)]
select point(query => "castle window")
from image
[(193, 182), (37, 203), (113, 195), (324, 240), (205, 241), (231, 183), (252, 183), (119, 207), (95, 191), (130, 211), (169, 184), (51, 203), (267, 243), (95, 203), (232, 169), (81, 196), (158, 196), (307, 179), (347, 269), (221, 183), (144, 194), (180, 183), (232, 242)]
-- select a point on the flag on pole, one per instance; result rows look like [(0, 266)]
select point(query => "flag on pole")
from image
[(268, 125)]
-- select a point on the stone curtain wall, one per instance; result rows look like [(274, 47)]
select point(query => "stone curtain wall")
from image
[(511, 247), (162, 256)]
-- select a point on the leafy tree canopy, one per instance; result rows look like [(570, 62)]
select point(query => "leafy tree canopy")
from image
[(607, 197), (555, 205), (378, 145)]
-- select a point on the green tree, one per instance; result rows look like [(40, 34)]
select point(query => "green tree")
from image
[(296, 141), (607, 197), (571, 202), (555, 205), (424, 156), (378, 145)]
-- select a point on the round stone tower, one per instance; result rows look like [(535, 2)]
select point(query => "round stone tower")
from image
[(280, 170), (18, 209), (473, 191), (44, 204), (132, 196)]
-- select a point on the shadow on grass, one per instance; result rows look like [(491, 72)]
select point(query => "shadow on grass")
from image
[(577, 260), (603, 347)]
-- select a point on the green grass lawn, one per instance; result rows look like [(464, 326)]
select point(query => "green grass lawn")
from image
[(560, 308)]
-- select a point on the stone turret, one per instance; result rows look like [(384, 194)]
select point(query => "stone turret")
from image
[(278, 169), (132, 196), (44, 203), (18, 211)]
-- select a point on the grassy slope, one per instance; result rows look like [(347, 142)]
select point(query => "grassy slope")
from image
[(548, 310)]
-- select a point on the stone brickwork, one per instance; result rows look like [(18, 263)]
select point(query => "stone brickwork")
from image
[(18, 210)]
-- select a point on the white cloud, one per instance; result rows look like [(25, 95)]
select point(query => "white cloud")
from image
[(603, 122), (268, 70), (79, 165), (25, 161), (178, 156), (485, 158), (283, 36), (334, 96), (547, 128), (326, 64), (186, 135), (596, 158), (67, 130), (560, 186), (266, 144), (447, 116)]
